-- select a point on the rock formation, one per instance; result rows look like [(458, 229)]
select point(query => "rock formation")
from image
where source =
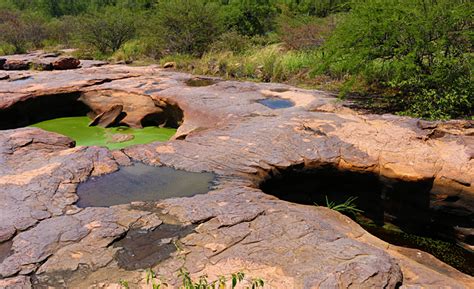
[(108, 117), (236, 226)]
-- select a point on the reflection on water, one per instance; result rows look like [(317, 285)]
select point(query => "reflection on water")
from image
[(141, 183), (276, 103)]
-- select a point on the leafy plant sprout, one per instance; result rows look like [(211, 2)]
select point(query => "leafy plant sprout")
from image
[(348, 206), (158, 282)]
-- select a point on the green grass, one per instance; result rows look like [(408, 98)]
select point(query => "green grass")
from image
[(78, 129)]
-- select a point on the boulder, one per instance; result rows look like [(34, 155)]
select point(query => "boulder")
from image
[(66, 63), (108, 117), (169, 65), (16, 65)]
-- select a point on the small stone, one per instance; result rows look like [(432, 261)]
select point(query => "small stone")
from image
[(169, 65), (120, 137)]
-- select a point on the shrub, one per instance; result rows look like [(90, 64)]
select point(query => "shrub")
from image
[(304, 32), (108, 29), (251, 17), (21, 31), (231, 41), (320, 8), (63, 30), (130, 51), (187, 26), (422, 49)]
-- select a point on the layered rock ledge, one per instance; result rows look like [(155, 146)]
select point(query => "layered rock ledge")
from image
[(45, 239)]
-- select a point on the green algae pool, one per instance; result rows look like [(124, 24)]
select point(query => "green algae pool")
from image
[(79, 130)]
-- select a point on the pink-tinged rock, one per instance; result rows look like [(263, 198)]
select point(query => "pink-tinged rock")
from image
[(66, 63)]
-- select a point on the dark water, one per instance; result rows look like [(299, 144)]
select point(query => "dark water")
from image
[(448, 252), (276, 103), (141, 183), (384, 202), (141, 249)]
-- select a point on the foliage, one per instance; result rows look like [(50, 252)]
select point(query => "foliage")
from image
[(188, 26), (250, 17), (413, 57), (21, 31), (202, 282), (231, 41), (304, 32), (321, 8), (348, 207), (108, 29), (420, 48)]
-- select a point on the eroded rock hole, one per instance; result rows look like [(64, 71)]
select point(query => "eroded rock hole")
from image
[(37, 109), (141, 182), (111, 118), (396, 211)]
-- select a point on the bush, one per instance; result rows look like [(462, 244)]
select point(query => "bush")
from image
[(63, 31), (304, 32), (251, 17), (187, 26), (21, 31), (231, 41), (320, 8), (421, 50), (108, 29)]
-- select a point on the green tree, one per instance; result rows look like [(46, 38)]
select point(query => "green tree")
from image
[(250, 17), (187, 26), (22, 30), (422, 49), (108, 28)]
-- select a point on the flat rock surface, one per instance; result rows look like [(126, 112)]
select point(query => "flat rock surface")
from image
[(235, 226)]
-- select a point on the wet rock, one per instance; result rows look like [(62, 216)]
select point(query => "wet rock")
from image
[(65, 63), (109, 117)]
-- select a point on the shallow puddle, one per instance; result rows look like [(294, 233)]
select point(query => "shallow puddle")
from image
[(79, 130), (276, 103), (141, 183), (141, 249)]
